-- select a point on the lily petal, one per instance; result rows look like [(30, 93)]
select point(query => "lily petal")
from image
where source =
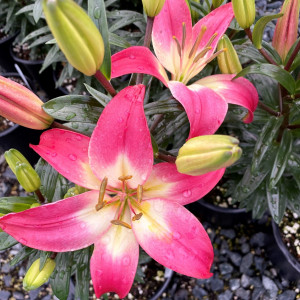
[(114, 261), (166, 182), (121, 144), (137, 59), (167, 24), (239, 91), (174, 237), (205, 109), (65, 225), (60, 148)]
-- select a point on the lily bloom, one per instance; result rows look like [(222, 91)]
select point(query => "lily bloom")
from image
[(130, 202), (184, 51)]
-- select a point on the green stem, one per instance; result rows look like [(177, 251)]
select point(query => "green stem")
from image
[(105, 83), (61, 126)]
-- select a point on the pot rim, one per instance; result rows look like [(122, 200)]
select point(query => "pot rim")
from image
[(11, 36), (25, 61), (221, 209)]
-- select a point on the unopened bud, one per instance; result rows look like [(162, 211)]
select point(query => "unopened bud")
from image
[(22, 106), (207, 153), (74, 191), (35, 277), (153, 7), (228, 61), (244, 12), (24, 172), (76, 35), (217, 3), (286, 30)]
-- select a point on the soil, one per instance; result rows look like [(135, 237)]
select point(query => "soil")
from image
[(23, 51)]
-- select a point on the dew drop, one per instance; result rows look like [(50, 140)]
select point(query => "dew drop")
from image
[(72, 157), (187, 193), (3, 227), (131, 56), (176, 235), (70, 116), (82, 225), (97, 12), (53, 154), (78, 137), (120, 120), (140, 68), (23, 241), (126, 261)]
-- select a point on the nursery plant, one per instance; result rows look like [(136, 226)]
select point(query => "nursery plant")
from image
[(118, 164)]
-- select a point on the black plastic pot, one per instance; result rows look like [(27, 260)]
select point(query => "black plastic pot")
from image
[(6, 60), (222, 216), (168, 276), (286, 263)]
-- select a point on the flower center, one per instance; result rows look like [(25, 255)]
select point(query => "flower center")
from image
[(124, 195)]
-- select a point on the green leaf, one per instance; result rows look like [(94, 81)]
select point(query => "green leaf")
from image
[(292, 194), (260, 27), (275, 72), (162, 107), (281, 159), (74, 108), (35, 33), (100, 97), (37, 10), (60, 278), (154, 145), (44, 255), (259, 203), (84, 128), (22, 254), (97, 12), (53, 185), (265, 141), (16, 204), (294, 167), (276, 202), (118, 41), (6, 241)]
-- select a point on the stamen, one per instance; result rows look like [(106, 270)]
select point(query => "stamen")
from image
[(183, 36), (121, 223), (178, 45), (211, 39), (215, 55), (197, 42), (202, 53), (124, 178), (140, 193), (137, 217), (101, 203)]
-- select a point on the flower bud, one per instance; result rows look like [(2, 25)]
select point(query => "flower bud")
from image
[(286, 29), (217, 3), (74, 191), (76, 34), (207, 153), (24, 172), (228, 60), (35, 277), (244, 12), (153, 7), (20, 105)]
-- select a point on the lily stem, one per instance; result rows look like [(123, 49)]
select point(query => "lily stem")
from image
[(147, 42), (268, 109), (105, 83), (165, 157), (40, 196), (262, 51), (155, 123), (61, 126), (292, 57), (296, 126)]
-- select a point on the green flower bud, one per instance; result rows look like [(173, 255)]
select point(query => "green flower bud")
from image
[(35, 277), (217, 3), (207, 153), (244, 12), (76, 34), (228, 60), (24, 172), (74, 191), (153, 7), (35, 205)]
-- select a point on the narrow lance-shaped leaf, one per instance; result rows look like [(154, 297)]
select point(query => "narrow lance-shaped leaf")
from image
[(16, 204), (291, 190), (283, 154), (6, 241)]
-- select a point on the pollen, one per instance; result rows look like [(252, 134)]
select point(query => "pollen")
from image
[(121, 223)]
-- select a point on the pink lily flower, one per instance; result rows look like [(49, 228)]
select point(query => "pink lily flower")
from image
[(131, 202), (184, 51)]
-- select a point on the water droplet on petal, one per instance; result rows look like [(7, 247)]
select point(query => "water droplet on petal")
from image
[(187, 193), (131, 56), (72, 157), (53, 154), (82, 225), (23, 241), (176, 235), (120, 120), (126, 261)]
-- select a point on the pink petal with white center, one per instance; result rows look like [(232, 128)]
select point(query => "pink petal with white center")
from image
[(137, 60), (167, 24), (121, 143), (171, 235), (239, 91), (67, 153), (66, 225), (205, 109), (166, 182), (114, 260), (216, 22)]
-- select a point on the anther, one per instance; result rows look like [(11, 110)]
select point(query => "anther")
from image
[(197, 42), (211, 39), (215, 55), (139, 193), (101, 203), (137, 217), (120, 223), (178, 45), (124, 178), (202, 53), (183, 36)]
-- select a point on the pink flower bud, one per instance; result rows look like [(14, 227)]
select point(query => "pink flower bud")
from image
[(22, 106)]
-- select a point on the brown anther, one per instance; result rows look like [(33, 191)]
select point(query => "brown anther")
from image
[(202, 54), (137, 217), (101, 203), (211, 39), (178, 45), (197, 42), (183, 36), (124, 178), (215, 55), (120, 223), (139, 193)]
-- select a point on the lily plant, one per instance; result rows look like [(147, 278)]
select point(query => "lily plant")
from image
[(130, 202), (184, 51)]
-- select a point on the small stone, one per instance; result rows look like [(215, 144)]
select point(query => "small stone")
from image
[(216, 284), (225, 268), (227, 295), (242, 294), (5, 268), (234, 284), (258, 239), (198, 292), (245, 248), (224, 247), (229, 233), (287, 295), (270, 286), (236, 258), (245, 281), (18, 295), (22, 272), (7, 280), (259, 263), (257, 293), (256, 282), (4, 295), (246, 263), (181, 295), (48, 297), (34, 294)]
